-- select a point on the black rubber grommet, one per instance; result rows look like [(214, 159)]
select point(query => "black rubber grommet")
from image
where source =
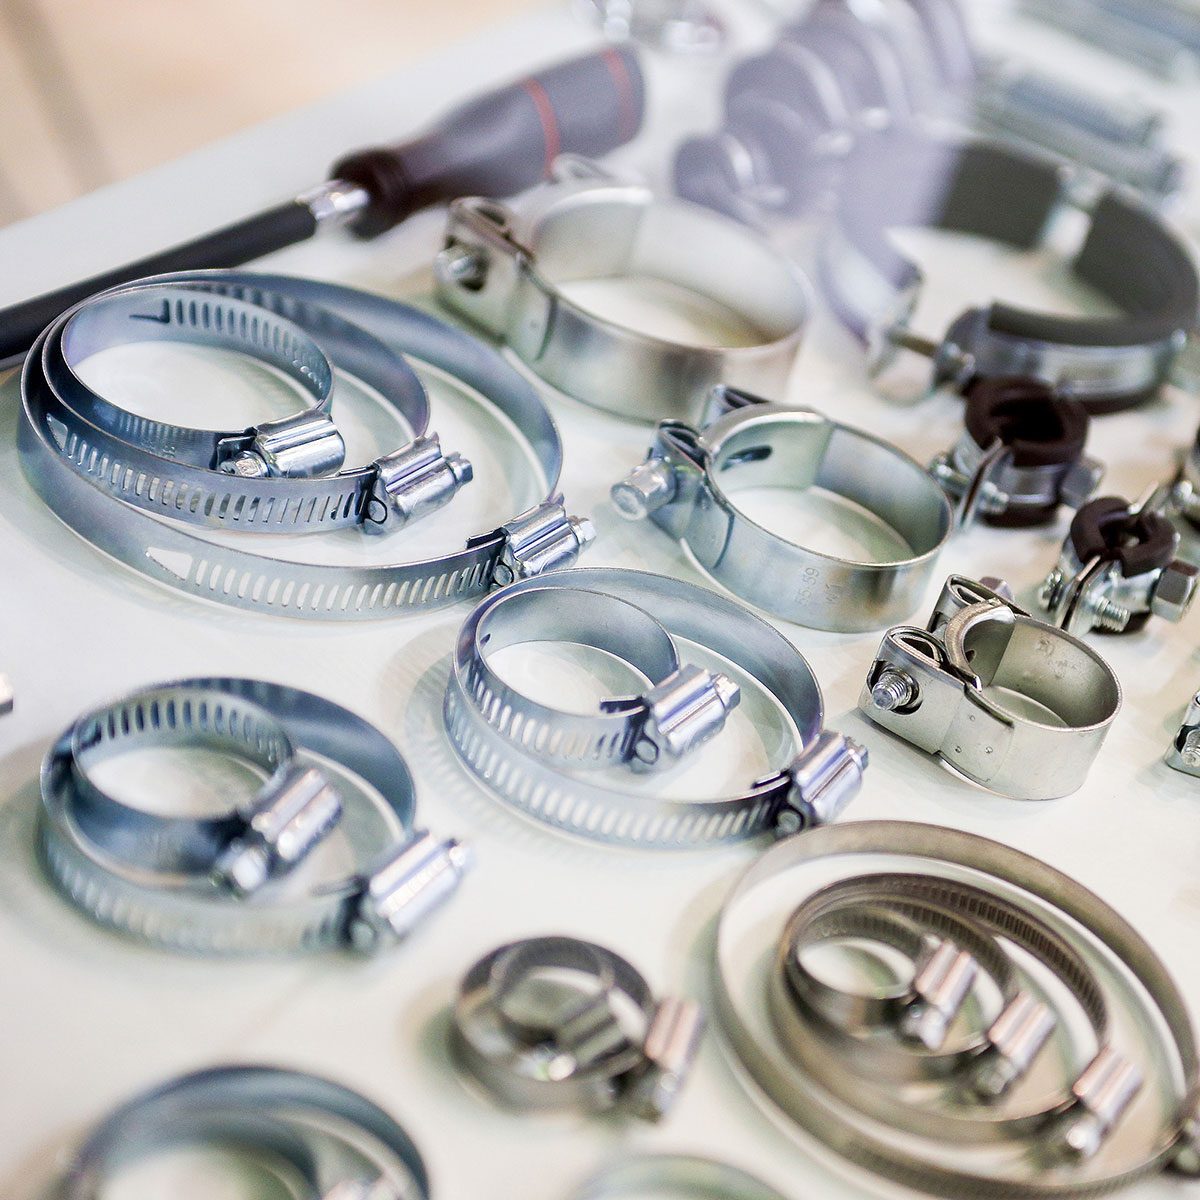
[(1105, 529), (1039, 428)]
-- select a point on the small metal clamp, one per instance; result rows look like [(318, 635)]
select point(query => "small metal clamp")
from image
[(543, 538), (550, 1021), (1117, 568), (301, 446), (1019, 457), (933, 686), (416, 479)]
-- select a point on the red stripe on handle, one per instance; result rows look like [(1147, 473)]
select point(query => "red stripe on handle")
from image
[(545, 112)]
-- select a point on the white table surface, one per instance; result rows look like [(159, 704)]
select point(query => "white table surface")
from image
[(86, 1018)]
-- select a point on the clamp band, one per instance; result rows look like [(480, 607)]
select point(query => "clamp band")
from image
[(389, 892), (504, 272), (814, 788), (995, 191), (1154, 1014), (537, 540), (554, 1021), (934, 687), (683, 708), (675, 1174), (687, 484), (268, 835), (289, 1117)]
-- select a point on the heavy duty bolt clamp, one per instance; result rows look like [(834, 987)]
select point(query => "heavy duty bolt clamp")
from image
[(181, 882), (687, 486), (933, 687), (1118, 568), (1020, 456), (554, 1021), (537, 540), (521, 751), (503, 270), (993, 191), (330, 1141)]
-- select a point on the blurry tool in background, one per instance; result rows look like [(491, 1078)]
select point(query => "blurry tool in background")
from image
[(674, 26)]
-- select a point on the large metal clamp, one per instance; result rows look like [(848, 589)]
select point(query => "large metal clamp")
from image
[(506, 271), (1117, 568), (554, 1021), (934, 687), (686, 487)]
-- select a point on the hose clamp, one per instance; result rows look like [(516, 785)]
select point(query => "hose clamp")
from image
[(932, 687), (503, 270), (555, 1021), (687, 486)]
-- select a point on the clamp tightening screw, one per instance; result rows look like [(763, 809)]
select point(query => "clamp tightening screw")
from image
[(644, 490), (894, 689), (942, 981), (1102, 1094), (822, 779), (682, 713), (1015, 1039), (671, 1044)]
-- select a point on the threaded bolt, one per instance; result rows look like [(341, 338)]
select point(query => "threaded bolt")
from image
[(1107, 614), (893, 689)]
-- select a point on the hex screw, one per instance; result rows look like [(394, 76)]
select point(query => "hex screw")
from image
[(893, 689)]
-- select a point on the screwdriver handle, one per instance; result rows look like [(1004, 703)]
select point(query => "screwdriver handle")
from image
[(502, 142)]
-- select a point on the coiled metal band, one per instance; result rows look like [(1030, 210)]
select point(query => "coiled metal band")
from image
[(1154, 1012), (682, 709), (403, 874), (320, 1132), (534, 541), (685, 483), (812, 789), (675, 1175)]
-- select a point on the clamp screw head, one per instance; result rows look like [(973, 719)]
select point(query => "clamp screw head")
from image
[(1174, 591), (644, 489), (1190, 750), (1051, 590), (463, 266), (247, 464), (893, 689)]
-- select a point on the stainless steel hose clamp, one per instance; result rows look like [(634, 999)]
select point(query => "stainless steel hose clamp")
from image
[(272, 478), (998, 192), (933, 687), (688, 483), (504, 271), (540, 539), (674, 1174), (554, 1021), (1117, 568), (1131, 1110), (261, 839), (1020, 455), (322, 1138), (684, 707), (179, 882), (818, 783)]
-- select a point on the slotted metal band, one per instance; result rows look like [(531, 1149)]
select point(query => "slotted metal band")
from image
[(287, 1115), (602, 813), (170, 481), (156, 718), (174, 912), (260, 583)]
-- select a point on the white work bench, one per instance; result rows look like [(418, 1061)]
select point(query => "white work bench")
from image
[(87, 1019)]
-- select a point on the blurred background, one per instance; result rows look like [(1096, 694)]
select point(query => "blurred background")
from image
[(95, 92)]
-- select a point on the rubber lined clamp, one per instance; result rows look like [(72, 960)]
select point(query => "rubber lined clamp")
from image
[(1040, 1162), (271, 479), (1117, 568), (675, 1175), (941, 688), (402, 875), (555, 1021), (540, 539), (318, 1135), (1020, 456), (995, 191), (948, 955), (503, 270), (813, 788), (683, 708), (687, 486), (262, 839)]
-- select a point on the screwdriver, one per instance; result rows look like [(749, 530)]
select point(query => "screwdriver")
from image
[(494, 145)]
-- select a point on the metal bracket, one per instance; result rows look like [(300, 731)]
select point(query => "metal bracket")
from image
[(302, 446), (413, 481)]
